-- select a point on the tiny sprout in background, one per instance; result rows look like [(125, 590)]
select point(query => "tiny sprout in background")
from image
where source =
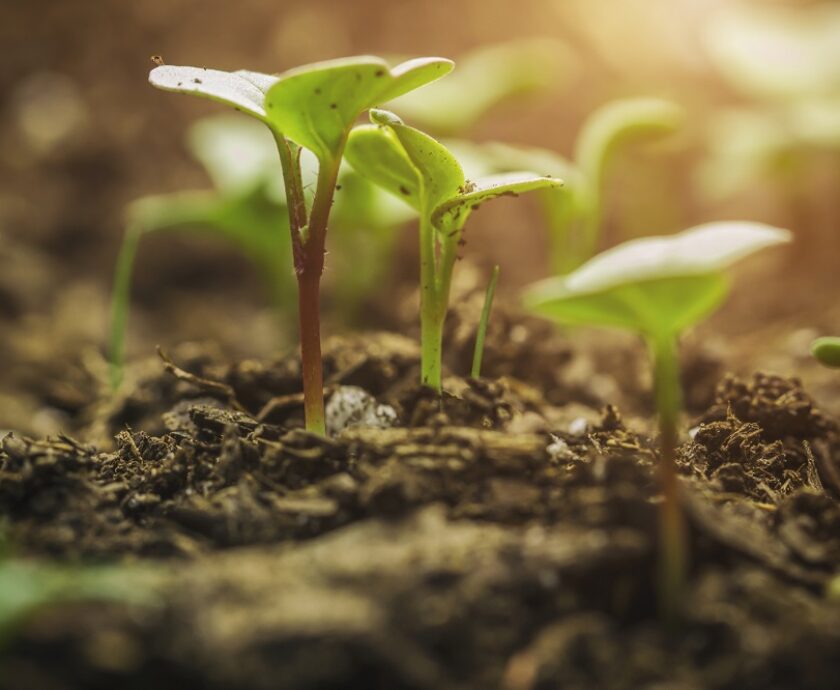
[(424, 173), (485, 78), (658, 287), (574, 214), (481, 332), (311, 107), (247, 208), (827, 351)]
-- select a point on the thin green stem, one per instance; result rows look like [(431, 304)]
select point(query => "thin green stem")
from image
[(120, 298), (431, 315), (673, 557), (481, 333)]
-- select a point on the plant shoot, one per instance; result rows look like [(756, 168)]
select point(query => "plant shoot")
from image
[(658, 287), (424, 173), (312, 107)]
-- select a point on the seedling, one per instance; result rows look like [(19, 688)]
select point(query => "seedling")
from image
[(481, 333), (312, 107), (486, 77), (575, 213), (413, 166), (248, 208), (827, 351), (658, 287)]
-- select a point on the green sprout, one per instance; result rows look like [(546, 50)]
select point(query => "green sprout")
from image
[(481, 333), (827, 350), (575, 213), (312, 107), (486, 77), (27, 587), (658, 287), (247, 208), (421, 171)]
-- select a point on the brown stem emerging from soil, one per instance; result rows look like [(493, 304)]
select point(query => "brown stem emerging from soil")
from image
[(313, 238), (672, 532)]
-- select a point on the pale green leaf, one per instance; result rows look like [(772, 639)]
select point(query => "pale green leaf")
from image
[(237, 152), (486, 77), (657, 285), (316, 105), (376, 152), (243, 90)]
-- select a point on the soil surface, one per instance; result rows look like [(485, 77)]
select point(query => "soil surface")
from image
[(502, 536)]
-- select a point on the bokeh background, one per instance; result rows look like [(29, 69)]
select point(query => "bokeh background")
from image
[(82, 134)]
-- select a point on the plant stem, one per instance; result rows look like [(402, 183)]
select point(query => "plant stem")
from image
[(309, 296), (119, 302), (672, 532), (431, 318), (308, 242), (481, 333)]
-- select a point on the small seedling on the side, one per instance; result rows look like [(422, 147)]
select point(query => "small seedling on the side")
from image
[(574, 214), (481, 333), (247, 208), (413, 166), (313, 107), (658, 287), (827, 350)]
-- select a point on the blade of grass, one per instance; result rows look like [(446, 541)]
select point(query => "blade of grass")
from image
[(481, 333)]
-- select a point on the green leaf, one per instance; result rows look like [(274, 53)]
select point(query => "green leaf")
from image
[(237, 152), (453, 213), (315, 105), (827, 351), (657, 285), (416, 167), (377, 152), (243, 90), (485, 78), (439, 172)]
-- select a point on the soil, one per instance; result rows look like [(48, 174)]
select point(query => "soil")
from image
[(501, 536)]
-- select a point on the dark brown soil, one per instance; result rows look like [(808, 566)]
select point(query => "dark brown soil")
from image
[(498, 537)]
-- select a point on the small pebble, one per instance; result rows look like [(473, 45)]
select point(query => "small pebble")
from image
[(578, 426)]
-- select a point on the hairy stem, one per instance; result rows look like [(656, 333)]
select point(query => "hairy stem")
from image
[(431, 318), (672, 532), (309, 296), (481, 333)]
